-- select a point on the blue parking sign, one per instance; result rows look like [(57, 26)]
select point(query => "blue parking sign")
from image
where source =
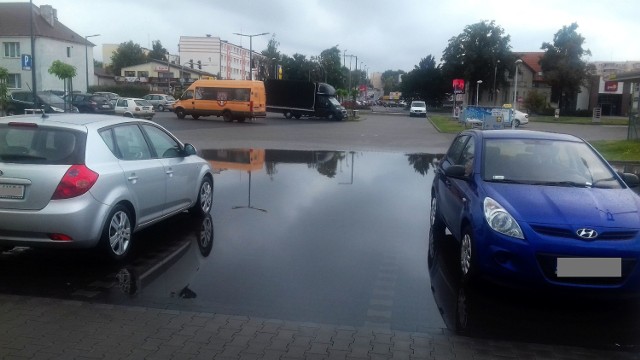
[(26, 62)]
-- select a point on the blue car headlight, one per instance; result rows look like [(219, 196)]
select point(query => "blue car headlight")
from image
[(500, 220)]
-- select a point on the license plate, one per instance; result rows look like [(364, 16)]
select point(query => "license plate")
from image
[(589, 267), (11, 191), (105, 106)]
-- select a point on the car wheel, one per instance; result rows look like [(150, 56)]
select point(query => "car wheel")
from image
[(297, 116), (195, 117), (331, 117), (160, 108), (116, 234), (180, 113), (288, 115), (226, 116), (128, 115), (517, 122), (467, 256), (205, 198)]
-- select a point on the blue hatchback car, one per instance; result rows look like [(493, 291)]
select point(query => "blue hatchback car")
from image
[(539, 210)]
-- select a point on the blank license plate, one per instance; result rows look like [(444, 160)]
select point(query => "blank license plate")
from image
[(10, 191), (589, 267)]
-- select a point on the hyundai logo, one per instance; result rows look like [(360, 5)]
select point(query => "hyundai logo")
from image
[(587, 233)]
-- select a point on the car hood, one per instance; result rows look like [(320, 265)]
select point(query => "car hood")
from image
[(560, 205)]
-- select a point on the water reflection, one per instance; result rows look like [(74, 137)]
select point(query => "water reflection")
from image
[(490, 311)]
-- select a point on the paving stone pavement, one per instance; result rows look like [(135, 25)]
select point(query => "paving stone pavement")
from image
[(42, 328)]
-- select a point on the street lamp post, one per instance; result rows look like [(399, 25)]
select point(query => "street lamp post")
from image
[(515, 86), (495, 73), (251, 50), (478, 90), (86, 57)]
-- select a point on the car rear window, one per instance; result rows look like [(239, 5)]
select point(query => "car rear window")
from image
[(31, 144)]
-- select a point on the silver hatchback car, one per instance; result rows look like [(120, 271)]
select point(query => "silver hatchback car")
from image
[(82, 181)]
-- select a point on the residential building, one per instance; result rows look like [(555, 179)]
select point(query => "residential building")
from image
[(52, 41), (161, 76), (228, 61)]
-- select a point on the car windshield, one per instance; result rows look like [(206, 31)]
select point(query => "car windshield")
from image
[(545, 162), (141, 102), (334, 101), (418, 104), (50, 98)]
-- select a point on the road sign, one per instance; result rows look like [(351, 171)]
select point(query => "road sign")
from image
[(26, 61)]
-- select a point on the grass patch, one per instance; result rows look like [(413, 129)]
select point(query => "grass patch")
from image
[(446, 124), (618, 150), (579, 120)]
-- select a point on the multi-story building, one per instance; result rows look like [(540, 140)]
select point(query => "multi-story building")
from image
[(226, 60), (161, 76), (52, 41)]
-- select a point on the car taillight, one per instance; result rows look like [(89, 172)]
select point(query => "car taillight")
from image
[(76, 181)]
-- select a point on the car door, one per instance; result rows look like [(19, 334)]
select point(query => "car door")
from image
[(181, 173), (145, 175), (451, 191), (121, 106)]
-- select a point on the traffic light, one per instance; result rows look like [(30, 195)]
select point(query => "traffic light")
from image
[(199, 65), (191, 63)]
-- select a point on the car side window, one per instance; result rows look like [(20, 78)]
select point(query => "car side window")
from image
[(131, 143), (164, 145), (455, 151), (467, 156)]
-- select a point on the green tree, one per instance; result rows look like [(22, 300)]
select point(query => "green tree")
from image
[(158, 52), (535, 102), (66, 73), (273, 55), (425, 82), (127, 54), (391, 80), (479, 52), (4, 90), (330, 60), (563, 66)]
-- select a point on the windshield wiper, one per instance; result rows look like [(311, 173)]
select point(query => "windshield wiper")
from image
[(508, 181), (562, 183)]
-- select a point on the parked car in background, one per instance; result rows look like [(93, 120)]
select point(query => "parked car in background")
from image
[(111, 96), (418, 108), (161, 102), (520, 118), (538, 210), (77, 181), (22, 101), (134, 107), (91, 103)]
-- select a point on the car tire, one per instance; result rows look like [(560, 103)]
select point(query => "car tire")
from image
[(435, 219), (517, 122), (180, 113), (195, 117), (288, 115), (226, 116), (467, 256), (115, 241), (297, 116), (161, 108), (204, 200), (128, 115)]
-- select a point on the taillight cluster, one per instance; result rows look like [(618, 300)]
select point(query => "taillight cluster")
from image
[(76, 181)]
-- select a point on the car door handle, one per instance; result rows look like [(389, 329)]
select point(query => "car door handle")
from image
[(133, 178), (169, 172)]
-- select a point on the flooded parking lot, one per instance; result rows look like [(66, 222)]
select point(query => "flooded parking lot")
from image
[(332, 237)]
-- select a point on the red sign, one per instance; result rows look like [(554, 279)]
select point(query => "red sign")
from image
[(611, 86), (458, 86)]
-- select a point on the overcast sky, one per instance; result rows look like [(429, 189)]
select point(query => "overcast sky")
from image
[(384, 34)]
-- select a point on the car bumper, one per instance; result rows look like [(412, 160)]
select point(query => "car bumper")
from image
[(418, 113), (80, 218), (534, 262)]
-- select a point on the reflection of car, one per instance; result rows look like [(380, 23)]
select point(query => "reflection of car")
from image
[(22, 101), (77, 181), (134, 107), (161, 102), (418, 108), (520, 118), (91, 103), (538, 209)]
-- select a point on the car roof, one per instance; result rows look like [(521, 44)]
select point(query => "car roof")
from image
[(522, 134), (72, 120)]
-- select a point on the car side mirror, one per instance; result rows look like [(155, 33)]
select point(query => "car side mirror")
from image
[(456, 171), (189, 150), (630, 179)]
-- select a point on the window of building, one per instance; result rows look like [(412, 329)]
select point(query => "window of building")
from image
[(144, 74), (12, 49), (68, 51), (130, 73), (14, 81)]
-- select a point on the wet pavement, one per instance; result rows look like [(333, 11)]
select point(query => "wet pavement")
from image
[(335, 238)]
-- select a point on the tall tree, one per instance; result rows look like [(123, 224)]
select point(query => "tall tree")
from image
[(158, 52), (127, 54), (331, 62), (476, 53), (425, 82), (563, 66), (66, 73), (273, 55), (391, 80)]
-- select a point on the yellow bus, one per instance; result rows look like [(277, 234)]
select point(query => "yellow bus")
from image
[(232, 99)]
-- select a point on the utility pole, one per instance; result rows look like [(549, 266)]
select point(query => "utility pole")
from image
[(251, 51)]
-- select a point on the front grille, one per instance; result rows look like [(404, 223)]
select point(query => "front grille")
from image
[(568, 233)]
